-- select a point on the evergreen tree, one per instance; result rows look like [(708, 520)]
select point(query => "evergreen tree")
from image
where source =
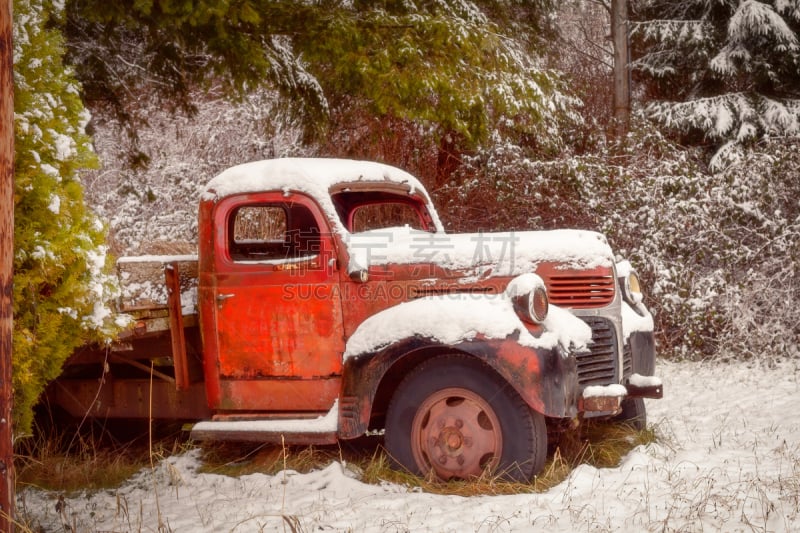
[(439, 63), (726, 71), (60, 289)]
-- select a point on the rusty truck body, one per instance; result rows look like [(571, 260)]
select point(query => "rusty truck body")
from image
[(326, 301)]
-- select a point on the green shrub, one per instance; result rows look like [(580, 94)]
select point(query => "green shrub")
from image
[(60, 283)]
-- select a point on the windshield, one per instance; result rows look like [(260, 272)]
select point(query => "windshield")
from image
[(362, 211)]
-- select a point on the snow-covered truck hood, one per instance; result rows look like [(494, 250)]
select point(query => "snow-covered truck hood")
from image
[(468, 316), (504, 253)]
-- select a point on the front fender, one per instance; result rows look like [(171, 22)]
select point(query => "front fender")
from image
[(546, 379)]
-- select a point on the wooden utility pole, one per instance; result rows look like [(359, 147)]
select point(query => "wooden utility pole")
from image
[(622, 86), (6, 264)]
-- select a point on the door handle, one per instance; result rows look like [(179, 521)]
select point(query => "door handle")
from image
[(223, 297)]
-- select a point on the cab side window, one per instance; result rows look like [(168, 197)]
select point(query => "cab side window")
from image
[(272, 233)]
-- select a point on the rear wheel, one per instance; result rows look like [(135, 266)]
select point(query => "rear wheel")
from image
[(454, 418)]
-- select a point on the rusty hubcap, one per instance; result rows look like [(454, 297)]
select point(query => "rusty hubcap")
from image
[(456, 434)]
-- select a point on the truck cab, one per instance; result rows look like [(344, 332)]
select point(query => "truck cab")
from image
[(331, 303)]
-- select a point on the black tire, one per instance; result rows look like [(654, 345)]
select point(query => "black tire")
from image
[(443, 421), (634, 413)]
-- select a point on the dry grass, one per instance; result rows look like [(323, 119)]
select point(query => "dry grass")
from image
[(87, 459), (602, 445), (92, 459)]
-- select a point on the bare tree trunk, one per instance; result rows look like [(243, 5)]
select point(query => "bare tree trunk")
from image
[(622, 87), (448, 158), (6, 264)]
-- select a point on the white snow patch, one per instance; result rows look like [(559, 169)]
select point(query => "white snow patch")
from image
[(568, 330), (69, 311), (605, 391), (39, 253), (449, 319), (500, 254), (637, 380), (313, 176), (524, 284), (100, 312), (727, 458), (55, 204), (132, 259), (64, 145), (632, 321), (624, 268), (49, 170)]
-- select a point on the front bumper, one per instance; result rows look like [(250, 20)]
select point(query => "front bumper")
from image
[(608, 398)]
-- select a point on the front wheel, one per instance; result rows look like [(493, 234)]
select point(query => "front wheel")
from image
[(455, 418), (634, 413)]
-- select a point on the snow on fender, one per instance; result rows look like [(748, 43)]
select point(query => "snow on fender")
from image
[(466, 316)]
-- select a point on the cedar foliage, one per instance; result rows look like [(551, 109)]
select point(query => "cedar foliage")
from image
[(60, 289)]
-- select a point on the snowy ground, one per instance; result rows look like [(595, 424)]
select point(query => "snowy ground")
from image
[(728, 459)]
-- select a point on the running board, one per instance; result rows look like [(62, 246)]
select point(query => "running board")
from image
[(320, 430)]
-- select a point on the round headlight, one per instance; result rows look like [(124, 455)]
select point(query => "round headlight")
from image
[(528, 294), (633, 290), (538, 305)]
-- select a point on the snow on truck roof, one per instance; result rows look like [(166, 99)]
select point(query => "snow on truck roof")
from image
[(510, 253), (315, 176)]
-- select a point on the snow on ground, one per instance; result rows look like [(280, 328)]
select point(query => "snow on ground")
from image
[(728, 459)]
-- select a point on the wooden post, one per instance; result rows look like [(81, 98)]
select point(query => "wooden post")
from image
[(622, 86), (6, 264), (179, 358)]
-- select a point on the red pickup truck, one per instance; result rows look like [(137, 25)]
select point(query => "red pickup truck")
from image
[(327, 302)]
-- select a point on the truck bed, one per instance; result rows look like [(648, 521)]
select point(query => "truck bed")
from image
[(157, 359), (144, 288)]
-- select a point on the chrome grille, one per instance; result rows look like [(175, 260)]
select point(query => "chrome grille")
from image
[(627, 360), (599, 365)]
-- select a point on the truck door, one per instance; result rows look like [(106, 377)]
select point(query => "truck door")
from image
[(278, 315)]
